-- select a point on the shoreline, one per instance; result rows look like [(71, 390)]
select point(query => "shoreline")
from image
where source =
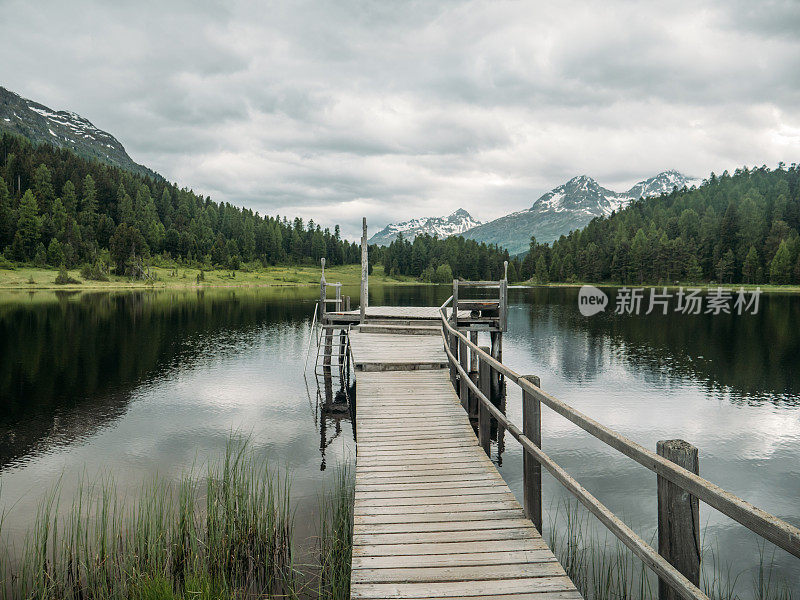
[(287, 276)]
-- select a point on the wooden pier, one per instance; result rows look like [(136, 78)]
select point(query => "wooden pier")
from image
[(433, 517)]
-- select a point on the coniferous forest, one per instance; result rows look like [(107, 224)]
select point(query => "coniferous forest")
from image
[(59, 209), (740, 228)]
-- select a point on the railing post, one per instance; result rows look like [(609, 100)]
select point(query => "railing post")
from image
[(347, 303), (678, 517), (339, 296), (484, 418), (531, 469), (463, 388)]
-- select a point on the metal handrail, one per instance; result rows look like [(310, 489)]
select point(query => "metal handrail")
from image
[(766, 525)]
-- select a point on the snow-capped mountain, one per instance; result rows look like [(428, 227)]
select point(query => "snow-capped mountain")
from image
[(453, 224), (63, 129), (569, 206)]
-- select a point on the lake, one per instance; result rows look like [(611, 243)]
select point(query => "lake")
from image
[(137, 383)]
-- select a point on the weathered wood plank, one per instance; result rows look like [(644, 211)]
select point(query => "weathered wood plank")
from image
[(458, 573), (468, 589), (509, 557)]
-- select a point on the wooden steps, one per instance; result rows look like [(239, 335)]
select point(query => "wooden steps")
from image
[(433, 517)]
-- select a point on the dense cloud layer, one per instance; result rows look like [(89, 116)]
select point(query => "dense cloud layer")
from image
[(334, 110)]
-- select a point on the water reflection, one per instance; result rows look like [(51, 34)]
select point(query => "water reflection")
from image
[(70, 362), (753, 356)]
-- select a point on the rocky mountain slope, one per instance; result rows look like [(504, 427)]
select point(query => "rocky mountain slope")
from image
[(456, 223), (62, 129), (569, 206)]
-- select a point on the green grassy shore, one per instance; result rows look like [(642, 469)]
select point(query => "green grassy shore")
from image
[(33, 278)]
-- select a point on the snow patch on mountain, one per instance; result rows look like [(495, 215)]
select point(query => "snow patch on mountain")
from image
[(570, 206), (64, 129), (453, 224)]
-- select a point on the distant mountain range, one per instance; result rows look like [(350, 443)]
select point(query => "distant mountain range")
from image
[(569, 206), (41, 124), (454, 224)]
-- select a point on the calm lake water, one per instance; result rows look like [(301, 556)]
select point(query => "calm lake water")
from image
[(138, 383)]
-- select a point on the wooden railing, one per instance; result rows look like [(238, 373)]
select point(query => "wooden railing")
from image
[(679, 559)]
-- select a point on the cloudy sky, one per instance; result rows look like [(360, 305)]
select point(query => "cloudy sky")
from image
[(334, 110)]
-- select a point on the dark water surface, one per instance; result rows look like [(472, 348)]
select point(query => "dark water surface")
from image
[(137, 383)]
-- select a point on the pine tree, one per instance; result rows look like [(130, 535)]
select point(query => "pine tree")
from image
[(69, 198), (29, 224), (750, 266), (780, 269), (55, 253), (43, 188), (8, 216), (541, 270)]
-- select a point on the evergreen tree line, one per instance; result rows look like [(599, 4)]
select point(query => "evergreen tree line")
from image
[(740, 228), (59, 209), (441, 260)]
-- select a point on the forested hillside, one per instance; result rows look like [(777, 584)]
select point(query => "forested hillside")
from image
[(57, 208), (740, 228)]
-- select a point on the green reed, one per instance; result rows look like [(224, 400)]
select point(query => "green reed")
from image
[(226, 533), (608, 570), (336, 536)]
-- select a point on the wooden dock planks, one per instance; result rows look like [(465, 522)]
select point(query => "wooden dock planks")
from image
[(433, 517)]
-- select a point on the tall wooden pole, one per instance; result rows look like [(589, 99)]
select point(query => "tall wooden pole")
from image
[(364, 270)]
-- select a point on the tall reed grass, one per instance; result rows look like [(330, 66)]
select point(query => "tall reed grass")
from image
[(224, 534), (602, 568)]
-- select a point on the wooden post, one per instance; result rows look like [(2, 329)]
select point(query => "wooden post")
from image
[(322, 291), (678, 517), (364, 270), (497, 354), (339, 296), (531, 469), (484, 418), (347, 303), (454, 316), (463, 389), (503, 308), (452, 340), (342, 350), (473, 337)]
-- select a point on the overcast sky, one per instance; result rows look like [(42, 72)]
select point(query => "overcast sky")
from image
[(392, 110)]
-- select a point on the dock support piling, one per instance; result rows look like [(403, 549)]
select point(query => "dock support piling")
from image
[(678, 517), (484, 418), (531, 469)]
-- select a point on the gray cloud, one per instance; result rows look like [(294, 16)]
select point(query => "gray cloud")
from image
[(334, 110)]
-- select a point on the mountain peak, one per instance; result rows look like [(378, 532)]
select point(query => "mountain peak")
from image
[(453, 224), (663, 183), (63, 129), (569, 206)]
